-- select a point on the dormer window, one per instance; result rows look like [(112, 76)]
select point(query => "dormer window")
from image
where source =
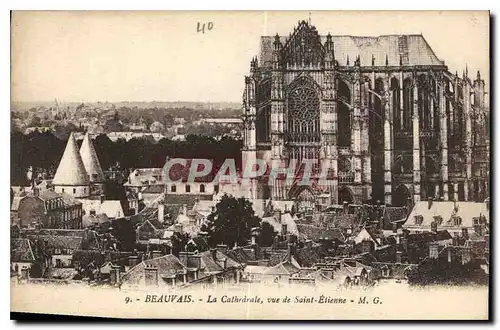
[(419, 219), (438, 219), (457, 221)]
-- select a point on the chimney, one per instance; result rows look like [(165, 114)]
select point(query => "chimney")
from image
[(103, 198), (184, 209), (156, 254), (346, 207), (465, 233), (183, 258), (466, 255), (433, 250), (284, 229), (161, 212), (279, 216), (434, 227), (478, 228), (213, 253), (255, 234), (404, 243), (139, 196), (223, 263), (275, 242), (289, 252), (429, 202), (222, 248), (132, 261), (178, 228), (406, 233), (151, 276), (398, 257), (115, 274)]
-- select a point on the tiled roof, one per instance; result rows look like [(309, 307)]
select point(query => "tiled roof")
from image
[(113, 209), (154, 189), (71, 170), (61, 242), (316, 233), (393, 213), (344, 221), (69, 201), (48, 195), (21, 250), (167, 265), (90, 160), (61, 273), (88, 220), (286, 218), (410, 49), (283, 268), (306, 256)]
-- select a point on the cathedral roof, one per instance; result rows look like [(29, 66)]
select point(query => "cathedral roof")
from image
[(409, 49), (90, 160), (71, 171)]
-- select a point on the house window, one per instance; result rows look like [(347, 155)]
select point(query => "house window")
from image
[(438, 219), (419, 219), (74, 190), (188, 188), (62, 189), (457, 221), (202, 188), (173, 188)]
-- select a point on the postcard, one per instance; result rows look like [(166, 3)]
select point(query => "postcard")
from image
[(246, 165)]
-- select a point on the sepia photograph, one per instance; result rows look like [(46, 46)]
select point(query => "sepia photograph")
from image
[(250, 165)]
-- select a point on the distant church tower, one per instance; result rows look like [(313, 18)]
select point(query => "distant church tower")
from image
[(71, 177), (92, 166)]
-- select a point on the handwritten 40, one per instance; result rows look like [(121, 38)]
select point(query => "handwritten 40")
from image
[(201, 27)]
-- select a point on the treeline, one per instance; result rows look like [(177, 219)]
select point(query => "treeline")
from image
[(43, 151), (166, 115)]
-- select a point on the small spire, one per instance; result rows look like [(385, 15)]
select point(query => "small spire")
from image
[(466, 70), (309, 18), (386, 59), (478, 75)]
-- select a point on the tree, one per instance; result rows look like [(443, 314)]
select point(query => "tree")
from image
[(231, 222), (267, 234), (179, 242)]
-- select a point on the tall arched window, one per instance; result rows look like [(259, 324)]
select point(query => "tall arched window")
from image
[(344, 114), (263, 120), (407, 105), (303, 116), (396, 104)]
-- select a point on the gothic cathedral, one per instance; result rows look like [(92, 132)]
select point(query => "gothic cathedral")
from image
[(382, 116)]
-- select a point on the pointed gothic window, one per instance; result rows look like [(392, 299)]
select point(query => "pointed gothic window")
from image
[(303, 106)]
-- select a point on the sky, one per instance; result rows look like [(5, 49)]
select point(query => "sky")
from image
[(162, 56)]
